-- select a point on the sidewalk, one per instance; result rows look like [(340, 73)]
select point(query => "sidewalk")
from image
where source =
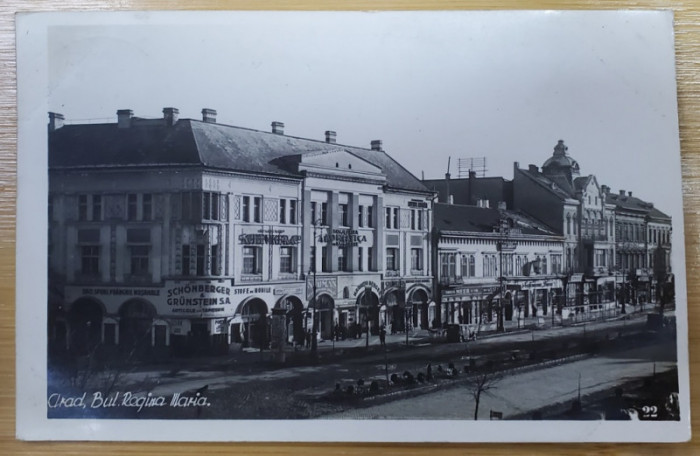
[(336, 351)]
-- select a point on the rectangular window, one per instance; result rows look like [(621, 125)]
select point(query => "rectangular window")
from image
[(251, 260), (214, 259), (313, 259), (387, 218), (200, 264), (417, 259), (370, 251), (82, 208), (287, 263), (413, 219), (283, 211), (132, 206), (257, 209), (342, 259), (392, 259), (90, 260), (370, 217), (324, 214), (215, 206), (147, 206), (343, 214), (360, 216), (246, 209), (360, 259), (324, 259), (186, 258), (293, 212), (96, 207), (139, 260), (420, 219), (395, 218)]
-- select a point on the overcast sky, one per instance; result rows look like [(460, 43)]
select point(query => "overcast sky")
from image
[(505, 86)]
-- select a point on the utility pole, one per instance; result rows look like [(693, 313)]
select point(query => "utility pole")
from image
[(314, 325)]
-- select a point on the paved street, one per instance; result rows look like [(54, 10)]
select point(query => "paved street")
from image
[(522, 392)]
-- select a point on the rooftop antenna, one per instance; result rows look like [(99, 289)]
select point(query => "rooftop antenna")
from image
[(477, 165)]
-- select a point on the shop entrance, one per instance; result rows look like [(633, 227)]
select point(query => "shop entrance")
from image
[(255, 328), (368, 312), (135, 326), (419, 307), (85, 326)]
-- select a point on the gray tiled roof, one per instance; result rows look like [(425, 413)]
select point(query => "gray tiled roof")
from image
[(474, 219), (634, 204), (197, 143)]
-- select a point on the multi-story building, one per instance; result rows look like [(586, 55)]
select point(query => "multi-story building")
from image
[(574, 206), (496, 268), (195, 235), (643, 250)]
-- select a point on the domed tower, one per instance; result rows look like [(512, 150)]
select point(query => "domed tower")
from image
[(560, 166)]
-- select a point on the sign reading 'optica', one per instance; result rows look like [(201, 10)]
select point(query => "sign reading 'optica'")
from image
[(343, 237)]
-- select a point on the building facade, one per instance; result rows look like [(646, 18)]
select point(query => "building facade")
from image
[(643, 250), (574, 206), (496, 268), (192, 236)]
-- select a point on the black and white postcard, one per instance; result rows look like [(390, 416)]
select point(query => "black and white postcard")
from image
[(350, 226)]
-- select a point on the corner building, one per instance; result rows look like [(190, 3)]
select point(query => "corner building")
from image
[(189, 236)]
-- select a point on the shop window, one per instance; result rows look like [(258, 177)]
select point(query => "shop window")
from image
[(110, 334), (252, 257), (287, 259), (160, 335)]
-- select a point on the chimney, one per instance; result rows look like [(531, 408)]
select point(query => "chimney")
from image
[(278, 128), (170, 115), (55, 121), (330, 136), (629, 193), (605, 189), (209, 115), (532, 168), (622, 193), (448, 196), (376, 144), (124, 118)]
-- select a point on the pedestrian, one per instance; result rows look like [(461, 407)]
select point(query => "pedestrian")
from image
[(308, 338), (429, 374), (382, 335)]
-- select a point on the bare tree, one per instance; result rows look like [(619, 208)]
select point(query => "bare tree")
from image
[(481, 383)]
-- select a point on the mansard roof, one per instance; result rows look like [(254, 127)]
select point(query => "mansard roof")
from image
[(188, 142)]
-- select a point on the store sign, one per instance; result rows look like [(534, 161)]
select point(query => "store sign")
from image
[(197, 298), (270, 239), (469, 291), (327, 285), (121, 291), (365, 284), (343, 237)]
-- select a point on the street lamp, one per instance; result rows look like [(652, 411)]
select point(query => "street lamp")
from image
[(314, 325)]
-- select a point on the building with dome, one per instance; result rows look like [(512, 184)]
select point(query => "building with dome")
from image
[(574, 205)]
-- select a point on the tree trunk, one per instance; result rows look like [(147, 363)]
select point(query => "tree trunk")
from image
[(476, 406)]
